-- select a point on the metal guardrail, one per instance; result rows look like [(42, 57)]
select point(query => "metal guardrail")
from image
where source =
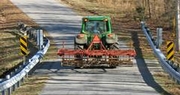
[(11, 82), (166, 65)]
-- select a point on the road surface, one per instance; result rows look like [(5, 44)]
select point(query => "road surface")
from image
[(63, 24)]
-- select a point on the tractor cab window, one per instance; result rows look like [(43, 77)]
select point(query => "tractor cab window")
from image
[(96, 27)]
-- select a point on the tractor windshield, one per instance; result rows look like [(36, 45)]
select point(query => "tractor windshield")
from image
[(95, 27)]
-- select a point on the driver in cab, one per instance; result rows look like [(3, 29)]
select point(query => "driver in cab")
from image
[(96, 28)]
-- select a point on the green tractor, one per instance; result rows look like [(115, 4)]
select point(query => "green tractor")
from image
[(95, 45), (96, 25)]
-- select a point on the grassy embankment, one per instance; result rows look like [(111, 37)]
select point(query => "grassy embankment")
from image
[(9, 38), (125, 21), (10, 54)]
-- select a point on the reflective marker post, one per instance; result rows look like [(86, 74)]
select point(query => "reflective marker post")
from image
[(24, 48), (170, 51), (23, 45)]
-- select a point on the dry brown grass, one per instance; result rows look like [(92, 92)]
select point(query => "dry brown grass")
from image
[(9, 49), (9, 40), (32, 86), (167, 83), (10, 56)]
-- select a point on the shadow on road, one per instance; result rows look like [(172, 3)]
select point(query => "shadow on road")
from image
[(142, 66), (54, 67)]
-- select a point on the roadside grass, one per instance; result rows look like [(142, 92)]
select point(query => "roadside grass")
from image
[(10, 53), (31, 85), (123, 13), (167, 83), (10, 56), (9, 39)]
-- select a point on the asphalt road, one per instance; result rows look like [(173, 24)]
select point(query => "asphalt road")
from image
[(63, 24)]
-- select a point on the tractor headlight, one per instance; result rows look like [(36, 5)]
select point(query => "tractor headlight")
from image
[(85, 19), (105, 19), (80, 36), (110, 35)]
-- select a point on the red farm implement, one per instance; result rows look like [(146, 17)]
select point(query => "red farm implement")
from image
[(92, 57)]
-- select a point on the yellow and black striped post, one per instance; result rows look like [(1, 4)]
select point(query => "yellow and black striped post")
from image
[(23, 45), (170, 51)]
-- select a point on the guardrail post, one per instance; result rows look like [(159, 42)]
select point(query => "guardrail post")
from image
[(7, 77), (31, 33), (18, 83), (27, 75), (22, 80), (4, 92), (9, 91), (40, 38), (159, 37), (178, 68), (15, 71), (28, 29), (150, 35), (34, 35), (14, 87), (11, 73)]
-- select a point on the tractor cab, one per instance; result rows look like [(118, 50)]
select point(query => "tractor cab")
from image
[(96, 25)]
